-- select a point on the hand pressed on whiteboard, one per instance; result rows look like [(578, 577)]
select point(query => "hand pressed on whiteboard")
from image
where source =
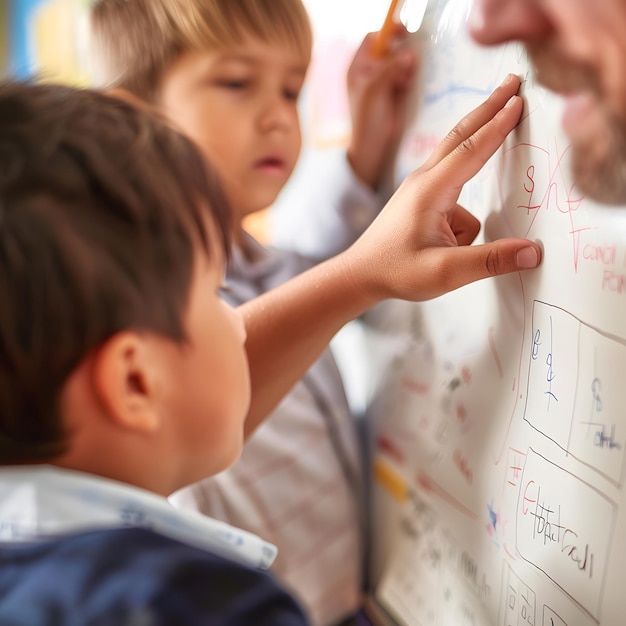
[(416, 249)]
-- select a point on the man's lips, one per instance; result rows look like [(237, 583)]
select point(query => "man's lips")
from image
[(579, 98), (578, 108)]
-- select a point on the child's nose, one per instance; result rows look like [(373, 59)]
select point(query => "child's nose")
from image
[(278, 112)]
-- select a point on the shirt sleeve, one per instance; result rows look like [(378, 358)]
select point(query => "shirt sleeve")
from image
[(324, 207)]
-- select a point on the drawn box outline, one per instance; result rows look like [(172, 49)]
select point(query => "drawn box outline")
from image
[(508, 570), (620, 481), (609, 541), (547, 606)]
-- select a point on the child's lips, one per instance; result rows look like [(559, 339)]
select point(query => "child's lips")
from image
[(271, 165)]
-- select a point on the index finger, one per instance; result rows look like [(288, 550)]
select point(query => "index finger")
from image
[(449, 175), (474, 120)]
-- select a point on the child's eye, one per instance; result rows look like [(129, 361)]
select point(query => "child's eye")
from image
[(231, 83)]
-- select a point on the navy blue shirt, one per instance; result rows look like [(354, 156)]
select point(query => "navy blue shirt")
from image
[(134, 577)]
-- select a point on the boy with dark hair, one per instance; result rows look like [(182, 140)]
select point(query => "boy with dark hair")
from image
[(112, 239), (124, 375)]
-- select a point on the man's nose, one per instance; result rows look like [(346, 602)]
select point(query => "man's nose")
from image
[(499, 21)]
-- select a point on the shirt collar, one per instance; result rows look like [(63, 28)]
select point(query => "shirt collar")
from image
[(43, 501), (253, 260)]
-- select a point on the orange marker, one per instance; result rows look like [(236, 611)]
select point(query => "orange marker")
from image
[(391, 480), (381, 42)]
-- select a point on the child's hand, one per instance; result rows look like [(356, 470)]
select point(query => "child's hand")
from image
[(378, 91), (418, 247)]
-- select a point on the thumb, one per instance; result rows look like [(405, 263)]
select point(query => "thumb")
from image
[(501, 257), (455, 267)]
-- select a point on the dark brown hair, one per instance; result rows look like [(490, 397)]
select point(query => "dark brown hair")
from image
[(103, 208)]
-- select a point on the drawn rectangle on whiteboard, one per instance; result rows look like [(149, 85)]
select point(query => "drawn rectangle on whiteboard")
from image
[(564, 528), (598, 427), (551, 385), (519, 601), (550, 618)]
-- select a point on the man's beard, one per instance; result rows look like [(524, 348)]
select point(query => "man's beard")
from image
[(600, 171), (598, 164)]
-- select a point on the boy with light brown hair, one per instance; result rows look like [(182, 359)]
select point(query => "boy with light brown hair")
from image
[(123, 374), (229, 74)]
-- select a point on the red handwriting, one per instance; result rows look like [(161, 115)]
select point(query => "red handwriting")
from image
[(462, 465), (494, 351), (461, 413), (602, 254), (527, 499), (556, 193), (385, 444), (611, 281), (415, 386)]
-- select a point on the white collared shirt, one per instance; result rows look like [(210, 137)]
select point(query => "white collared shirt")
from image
[(42, 501)]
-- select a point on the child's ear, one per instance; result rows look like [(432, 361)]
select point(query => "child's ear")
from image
[(125, 380)]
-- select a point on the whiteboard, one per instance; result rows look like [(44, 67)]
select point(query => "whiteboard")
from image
[(498, 419)]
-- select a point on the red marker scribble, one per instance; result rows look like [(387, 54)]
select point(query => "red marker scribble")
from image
[(498, 457), (462, 464), (509, 553), (415, 386), (426, 483), (494, 351), (528, 499), (516, 466), (385, 444), (557, 192), (461, 413), (466, 375)]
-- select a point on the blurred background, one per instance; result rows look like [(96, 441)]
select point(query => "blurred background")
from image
[(48, 40)]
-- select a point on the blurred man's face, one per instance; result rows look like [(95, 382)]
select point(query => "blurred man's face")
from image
[(578, 50)]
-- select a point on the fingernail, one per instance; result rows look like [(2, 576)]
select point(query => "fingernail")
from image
[(511, 101), (527, 258)]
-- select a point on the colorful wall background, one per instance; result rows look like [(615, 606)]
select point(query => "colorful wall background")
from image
[(4, 37), (48, 40)]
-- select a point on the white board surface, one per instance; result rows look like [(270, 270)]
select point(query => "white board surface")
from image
[(499, 410)]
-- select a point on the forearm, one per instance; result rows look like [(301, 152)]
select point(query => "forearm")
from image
[(289, 327)]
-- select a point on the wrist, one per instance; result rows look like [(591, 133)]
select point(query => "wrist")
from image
[(366, 172), (358, 280)]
